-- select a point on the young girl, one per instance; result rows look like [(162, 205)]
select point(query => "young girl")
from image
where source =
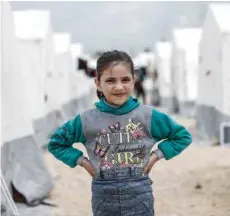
[(119, 135)]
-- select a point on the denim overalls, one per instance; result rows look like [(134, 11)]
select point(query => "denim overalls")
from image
[(122, 192)]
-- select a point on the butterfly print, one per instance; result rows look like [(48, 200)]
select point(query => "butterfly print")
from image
[(116, 127), (100, 150)]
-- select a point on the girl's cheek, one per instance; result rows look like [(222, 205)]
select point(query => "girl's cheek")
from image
[(110, 87), (129, 86)]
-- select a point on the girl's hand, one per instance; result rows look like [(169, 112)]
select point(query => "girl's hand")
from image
[(88, 167), (152, 160)]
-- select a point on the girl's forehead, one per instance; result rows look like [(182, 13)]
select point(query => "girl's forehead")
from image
[(119, 70)]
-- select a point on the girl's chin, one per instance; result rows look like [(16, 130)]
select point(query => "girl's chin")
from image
[(119, 101)]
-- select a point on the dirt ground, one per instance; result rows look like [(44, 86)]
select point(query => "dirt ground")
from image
[(195, 183)]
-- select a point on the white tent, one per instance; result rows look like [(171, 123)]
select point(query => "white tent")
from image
[(33, 29), (16, 115), (22, 164), (185, 55), (80, 82), (145, 59), (163, 65), (77, 51), (70, 85), (63, 67), (214, 66), (92, 63)]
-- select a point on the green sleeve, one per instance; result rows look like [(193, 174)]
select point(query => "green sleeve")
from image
[(177, 138), (60, 144)]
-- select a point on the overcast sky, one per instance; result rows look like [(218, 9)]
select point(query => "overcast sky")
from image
[(120, 25)]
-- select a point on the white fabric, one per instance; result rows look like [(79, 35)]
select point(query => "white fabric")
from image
[(16, 111), (33, 29), (185, 62), (144, 59), (222, 15), (31, 24), (226, 75), (62, 42), (92, 63), (76, 49), (163, 64), (63, 68), (214, 59)]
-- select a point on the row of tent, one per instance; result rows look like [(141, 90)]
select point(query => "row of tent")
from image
[(194, 70), (41, 89), (38, 65)]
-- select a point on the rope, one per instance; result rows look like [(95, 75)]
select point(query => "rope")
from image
[(8, 196)]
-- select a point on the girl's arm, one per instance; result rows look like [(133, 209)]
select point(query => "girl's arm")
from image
[(177, 138), (60, 144)]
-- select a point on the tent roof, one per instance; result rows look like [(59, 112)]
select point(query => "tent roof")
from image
[(76, 49), (222, 15), (163, 49), (32, 24), (143, 58), (185, 36), (62, 42)]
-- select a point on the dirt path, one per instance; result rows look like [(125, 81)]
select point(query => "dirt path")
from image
[(196, 183)]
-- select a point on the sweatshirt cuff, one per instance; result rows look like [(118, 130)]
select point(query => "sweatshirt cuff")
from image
[(79, 160), (159, 154)]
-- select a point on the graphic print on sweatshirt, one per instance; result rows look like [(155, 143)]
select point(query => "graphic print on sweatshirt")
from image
[(120, 146)]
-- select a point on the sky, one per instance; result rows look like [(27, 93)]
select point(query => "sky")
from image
[(129, 26)]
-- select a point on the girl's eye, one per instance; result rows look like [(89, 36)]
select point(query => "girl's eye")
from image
[(126, 80), (110, 81)]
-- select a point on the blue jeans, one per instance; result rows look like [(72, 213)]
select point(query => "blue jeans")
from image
[(122, 192)]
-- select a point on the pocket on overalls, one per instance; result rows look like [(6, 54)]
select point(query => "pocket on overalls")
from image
[(146, 201), (97, 202), (144, 196)]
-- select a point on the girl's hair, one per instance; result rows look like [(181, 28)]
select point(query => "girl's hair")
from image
[(111, 59)]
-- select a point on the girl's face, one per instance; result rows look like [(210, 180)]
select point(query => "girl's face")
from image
[(116, 83)]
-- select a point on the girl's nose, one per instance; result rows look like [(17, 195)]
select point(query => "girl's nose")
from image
[(119, 86)]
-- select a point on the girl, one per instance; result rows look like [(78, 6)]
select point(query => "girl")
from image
[(119, 135)]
